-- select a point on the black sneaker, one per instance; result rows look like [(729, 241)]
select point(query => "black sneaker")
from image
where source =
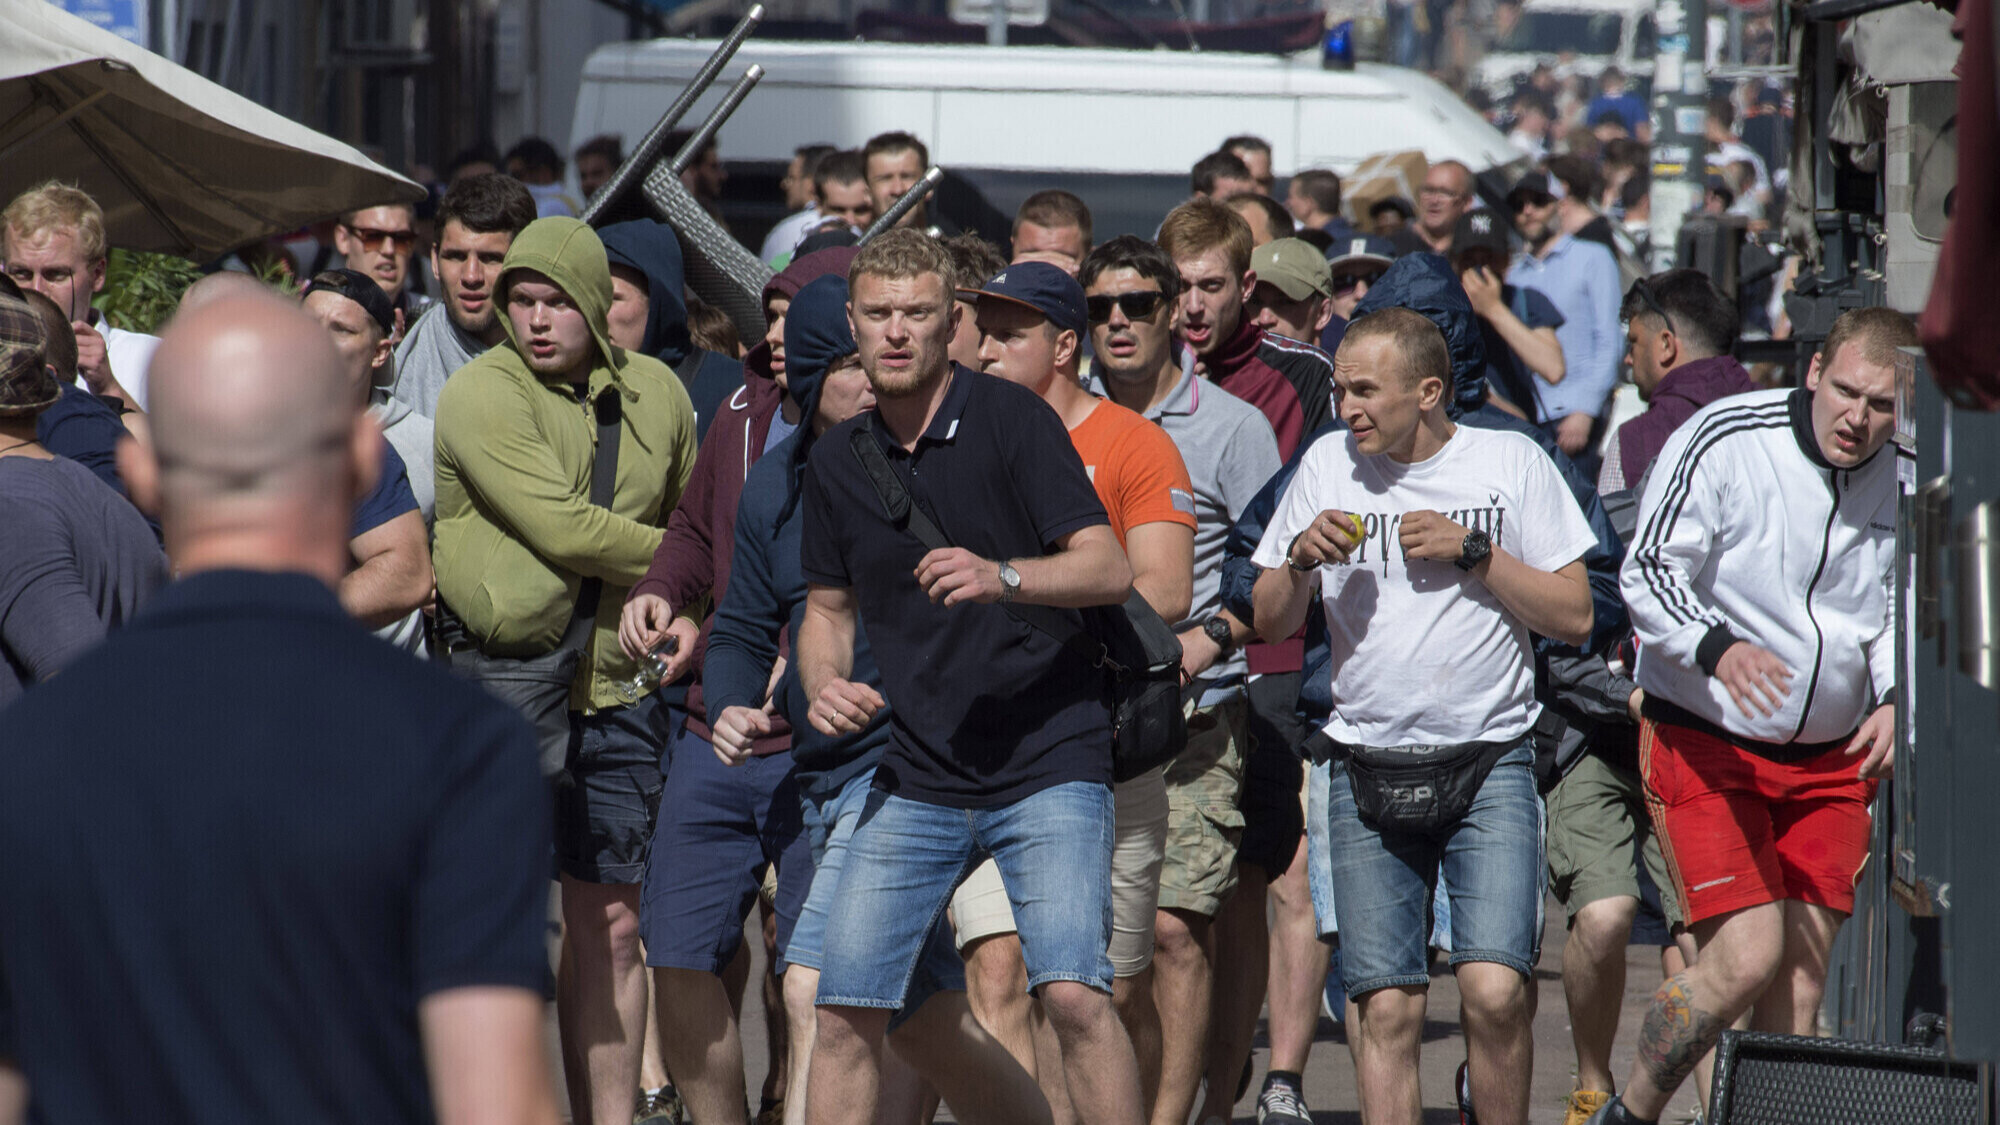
[(1281, 1104)]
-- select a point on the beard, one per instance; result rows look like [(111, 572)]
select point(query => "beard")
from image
[(928, 364)]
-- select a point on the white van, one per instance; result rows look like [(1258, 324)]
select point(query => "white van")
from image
[(1120, 128), (1582, 36)]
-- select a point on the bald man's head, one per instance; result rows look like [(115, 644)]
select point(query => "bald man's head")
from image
[(222, 283), (251, 410)]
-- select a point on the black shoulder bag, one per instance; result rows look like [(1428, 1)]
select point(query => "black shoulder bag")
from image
[(1139, 653), (539, 686)]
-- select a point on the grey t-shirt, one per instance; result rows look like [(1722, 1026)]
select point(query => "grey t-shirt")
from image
[(76, 559), (431, 350), (1230, 451)]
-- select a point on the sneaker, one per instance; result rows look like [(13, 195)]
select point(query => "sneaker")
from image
[(1582, 1105), (771, 1114), (1281, 1104), (1463, 1084), (1333, 998), (659, 1107)]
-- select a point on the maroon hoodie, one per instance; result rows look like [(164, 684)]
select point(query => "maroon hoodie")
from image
[(693, 559), (1682, 392)]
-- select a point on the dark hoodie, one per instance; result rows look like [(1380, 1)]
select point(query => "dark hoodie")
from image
[(767, 588), (693, 560), (653, 250), (1682, 392)]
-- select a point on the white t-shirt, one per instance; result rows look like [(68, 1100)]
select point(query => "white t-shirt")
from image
[(1423, 653)]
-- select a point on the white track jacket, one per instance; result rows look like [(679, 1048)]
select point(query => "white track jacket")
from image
[(1747, 533)]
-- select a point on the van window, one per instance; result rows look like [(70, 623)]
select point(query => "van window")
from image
[(1645, 44), (1549, 33)]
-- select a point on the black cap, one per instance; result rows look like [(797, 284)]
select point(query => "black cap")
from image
[(359, 288), (1537, 185)]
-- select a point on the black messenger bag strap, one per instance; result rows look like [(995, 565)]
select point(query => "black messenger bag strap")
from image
[(608, 412), (906, 512)]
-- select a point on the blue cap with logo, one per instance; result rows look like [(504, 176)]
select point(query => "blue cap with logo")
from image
[(1047, 289)]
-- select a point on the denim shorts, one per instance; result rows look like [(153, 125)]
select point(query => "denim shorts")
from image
[(604, 820), (1319, 866), (905, 858), (1383, 884), (720, 827), (828, 826)]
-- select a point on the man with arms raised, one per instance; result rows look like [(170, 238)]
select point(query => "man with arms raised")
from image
[(477, 221), (1000, 736), (1768, 675), (220, 889), (1437, 548)]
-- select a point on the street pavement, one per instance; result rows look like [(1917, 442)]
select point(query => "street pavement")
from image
[(1330, 1075)]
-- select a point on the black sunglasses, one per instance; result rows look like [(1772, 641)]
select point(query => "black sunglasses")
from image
[(1136, 305), (1644, 293), (1344, 283)]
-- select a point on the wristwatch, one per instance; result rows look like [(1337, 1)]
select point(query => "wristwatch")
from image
[(1010, 582), (1477, 548), (1217, 630)]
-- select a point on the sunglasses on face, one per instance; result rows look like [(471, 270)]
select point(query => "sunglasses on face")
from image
[(1522, 202), (1345, 283), (372, 239), (1136, 305)]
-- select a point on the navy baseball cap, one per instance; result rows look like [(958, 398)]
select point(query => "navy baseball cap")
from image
[(1047, 289)]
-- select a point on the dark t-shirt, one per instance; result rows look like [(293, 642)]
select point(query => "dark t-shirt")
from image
[(987, 710), (390, 498), (85, 429), (75, 560), (248, 869), (1505, 372)]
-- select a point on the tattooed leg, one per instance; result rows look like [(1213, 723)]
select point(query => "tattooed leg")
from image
[(1676, 1033)]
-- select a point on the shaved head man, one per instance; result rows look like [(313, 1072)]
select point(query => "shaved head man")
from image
[(422, 946)]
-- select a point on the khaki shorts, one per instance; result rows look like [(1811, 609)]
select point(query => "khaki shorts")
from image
[(1596, 814), (980, 908), (1204, 816)]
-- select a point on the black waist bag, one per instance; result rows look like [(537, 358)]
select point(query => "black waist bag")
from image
[(1418, 789), (1136, 649)]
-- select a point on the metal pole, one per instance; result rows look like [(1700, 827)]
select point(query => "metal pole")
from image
[(713, 125), (905, 205), (1680, 111), (996, 24), (634, 170)]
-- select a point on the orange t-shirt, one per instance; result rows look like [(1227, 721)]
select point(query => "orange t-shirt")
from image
[(1139, 475)]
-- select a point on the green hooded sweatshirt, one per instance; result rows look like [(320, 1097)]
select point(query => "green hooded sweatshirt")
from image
[(516, 531)]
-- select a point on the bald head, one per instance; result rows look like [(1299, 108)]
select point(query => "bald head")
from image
[(222, 283), (252, 414)]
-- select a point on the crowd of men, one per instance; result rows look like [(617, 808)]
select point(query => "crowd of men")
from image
[(809, 624)]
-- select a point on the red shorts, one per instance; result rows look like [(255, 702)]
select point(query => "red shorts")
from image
[(1740, 830)]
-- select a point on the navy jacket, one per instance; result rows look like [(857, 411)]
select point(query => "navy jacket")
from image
[(1424, 283), (651, 248), (767, 593)]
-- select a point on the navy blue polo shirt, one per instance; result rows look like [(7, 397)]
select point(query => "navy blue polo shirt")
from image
[(987, 710), (239, 842)]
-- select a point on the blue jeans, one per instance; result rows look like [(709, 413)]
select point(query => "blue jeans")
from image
[(905, 858), (1319, 865), (829, 826), (1383, 883)]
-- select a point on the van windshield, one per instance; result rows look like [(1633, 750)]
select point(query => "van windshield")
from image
[(1578, 33)]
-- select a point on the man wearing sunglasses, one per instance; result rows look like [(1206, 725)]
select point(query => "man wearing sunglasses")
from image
[(1230, 452), (378, 242), (1353, 267), (1581, 279), (1679, 332)]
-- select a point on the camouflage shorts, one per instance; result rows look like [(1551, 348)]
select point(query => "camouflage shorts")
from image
[(1204, 821)]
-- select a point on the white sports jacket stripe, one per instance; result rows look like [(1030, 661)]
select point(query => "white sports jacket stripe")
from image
[(1747, 533)]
